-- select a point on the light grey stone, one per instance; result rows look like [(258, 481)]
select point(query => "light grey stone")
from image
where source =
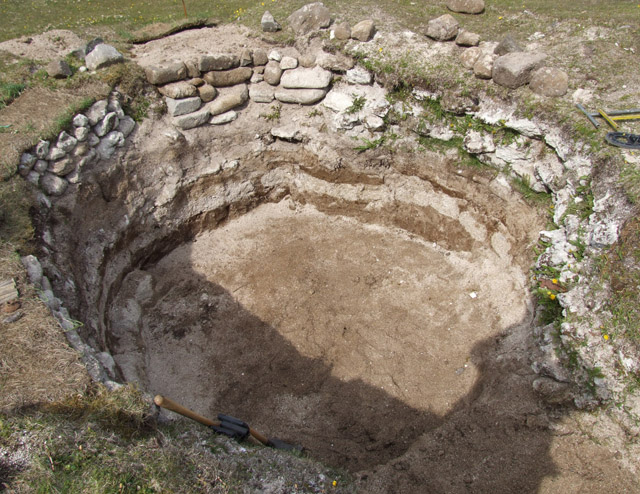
[(466, 38), (53, 185), (192, 120), (102, 56), (93, 140), (42, 149), (246, 58), (81, 149), (466, 6), (300, 96), (165, 72), (256, 78), (338, 101), (27, 159), (41, 166), (308, 60), (80, 120), (275, 55), (177, 107), (109, 143), (302, 78), (514, 69), (288, 63), (443, 28), (192, 66), (262, 93), (229, 100), (483, 68), (89, 159), (358, 75), (289, 133), (363, 30), (34, 269), (218, 61), (81, 133), (226, 78), (272, 73), (177, 90), (374, 123), (477, 143), (470, 56), (92, 44), (336, 63), (58, 69), (62, 167), (33, 177), (549, 81), (55, 153), (269, 24), (97, 111), (126, 126), (66, 142), (223, 118), (311, 17), (106, 125)]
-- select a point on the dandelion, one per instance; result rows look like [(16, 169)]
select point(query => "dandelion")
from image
[(500, 18), (552, 296), (554, 281), (606, 336), (334, 483), (380, 49)]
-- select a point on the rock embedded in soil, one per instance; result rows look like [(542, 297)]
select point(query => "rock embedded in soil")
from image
[(229, 100), (300, 96), (177, 107), (126, 125), (58, 69), (312, 17), (443, 28), (342, 31), (466, 38), (358, 75), (61, 167), (218, 61), (260, 57), (363, 30), (226, 78), (272, 73), (508, 45), (97, 111), (269, 24), (316, 78), (549, 81), (466, 6), (102, 56), (514, 69), (109, 143), (166, 72), (207, 92), (224, 118), (483, 68), (262, 92), (53, 185), (470, 56), (80, 120), (177, 90), (104, 126)]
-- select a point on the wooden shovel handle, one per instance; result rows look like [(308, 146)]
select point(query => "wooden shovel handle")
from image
[(169, 404)]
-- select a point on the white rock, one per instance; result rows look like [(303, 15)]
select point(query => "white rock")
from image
[(275, 55), (80, 121), (288, 63), (262, 92), (338, 101), (223, 118), (290, 133), (192, 120), (177, 107), (302, 78), (477, 143), (358, 75)]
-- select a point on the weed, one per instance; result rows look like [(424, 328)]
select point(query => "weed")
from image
[(357, 105), (523, 185), (275, 113), (9, 91), (314, 113), (630, 181), (370, 144)]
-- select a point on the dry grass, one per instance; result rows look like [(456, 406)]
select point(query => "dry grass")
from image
[(36, 363)]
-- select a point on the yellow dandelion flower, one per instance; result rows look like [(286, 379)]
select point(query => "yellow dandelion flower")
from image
[(334, 483), (552, 296), (500, 18), (606, 337), (554, 281)]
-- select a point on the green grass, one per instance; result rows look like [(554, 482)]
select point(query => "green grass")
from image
[(9, 91)]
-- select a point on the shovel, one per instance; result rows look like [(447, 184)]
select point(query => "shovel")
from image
[(229, 426)]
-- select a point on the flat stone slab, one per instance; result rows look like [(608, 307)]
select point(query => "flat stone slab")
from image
[(177, 107), (192, 120), (300, 96), (303, 78)]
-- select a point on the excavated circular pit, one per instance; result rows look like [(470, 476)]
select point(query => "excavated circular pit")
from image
[(344, 308)]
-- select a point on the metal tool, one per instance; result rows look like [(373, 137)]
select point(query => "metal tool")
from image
[(608, 119), (229, 426), (615, 115), (623, 140)]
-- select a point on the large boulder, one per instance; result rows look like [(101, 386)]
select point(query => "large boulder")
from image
[(311, 17), (226, 78), (466, 6), (514, 69), (443, 28), (548, 81), (101, 56), (363, 30), (315, 78)]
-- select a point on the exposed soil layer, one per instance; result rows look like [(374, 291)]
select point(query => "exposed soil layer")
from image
[(373, 308)]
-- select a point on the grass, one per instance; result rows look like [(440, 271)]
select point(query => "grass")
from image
[(9, 91)]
